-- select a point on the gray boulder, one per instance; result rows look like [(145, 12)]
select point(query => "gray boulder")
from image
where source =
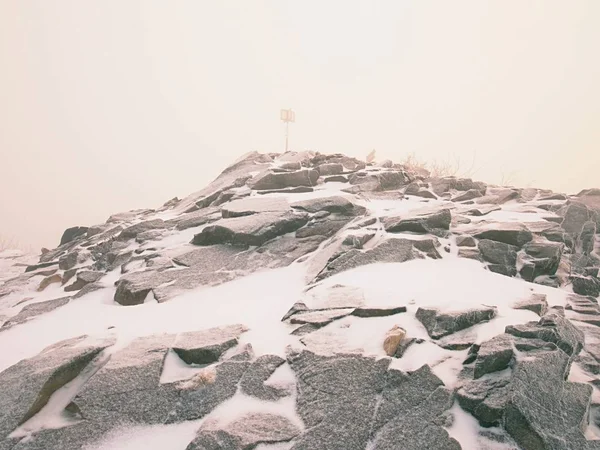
[(499, 254), (586, 285), (132, 231), (424, 223), (253, 381), (335, 204), (207, 346), (270, 180), (245, 433), (251, 230), (440, 324), (536, 303), (508, 233), (72, 233), (254, 205), (330, 169), (28, 385)]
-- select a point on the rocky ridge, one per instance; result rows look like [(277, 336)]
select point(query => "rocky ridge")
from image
[(400, 310)]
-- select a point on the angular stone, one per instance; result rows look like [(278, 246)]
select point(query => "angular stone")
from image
[(336, 179), (508, 233), (251, 230), (465, 241), (330, 169), (207, 346), (33, 310), (587, 238), (132, 231), (254, 205), (72, 233), (28, 385), (335, 394), (469, 195), (197, 218), (494, 355), (253, 381), (440, 324), (424, 223), (378, 311), (68, 261), (335, 204), (554, 328), (536, 303), (84, 278), (270, 180), (498, 253), (320, 318), (392, 340), (575, 216), (246, 432), (56, 278), (485, 398), (586, 285)]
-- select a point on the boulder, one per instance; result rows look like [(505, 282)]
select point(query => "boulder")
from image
[(253, 381), (70, 234), (576, 215), (28, 385), (468, 195), (494, 355), (336, 179), (536, 303), (439, 324), (84, 278), (254, 205), (423, 223), (499, 254), (330, 169), (253, 230), (508, 233), (132, 231), (270, 180), (335, 204), (587, 239), (363, 311), (586, 285), (466, 241), (34, 309), (68, 261), (246, 432), (56, 278), (207, 346)]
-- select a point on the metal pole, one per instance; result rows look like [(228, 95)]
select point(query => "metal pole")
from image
[(287, 131)]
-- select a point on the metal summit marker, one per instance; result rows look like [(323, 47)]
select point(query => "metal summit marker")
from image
[(288, 116)]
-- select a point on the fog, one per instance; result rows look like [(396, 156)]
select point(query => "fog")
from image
[(112, 105)]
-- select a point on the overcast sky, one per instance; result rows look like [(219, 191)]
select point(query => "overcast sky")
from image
[(112, 105)]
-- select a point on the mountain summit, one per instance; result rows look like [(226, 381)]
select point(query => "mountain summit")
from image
[(308, 301)]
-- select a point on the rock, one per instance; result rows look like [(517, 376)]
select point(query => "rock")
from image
[(440, 324), (381, 181), (424, 223), (70, 234), (411, 412), (245, 432), (425, 193), (84, 278), (199, 395), (470, 253), (207, 346), (544, 411), (254, 205), (536, 303), (56, 278), (296, 308), (469, 195), (335, 394), (485, 399), (320, 318), (358, 240), (587, 238), (465, 241), (132, 231), (292, 190), (251, 230), (443, 185), (336, 179), (586, 285), (197, 218), (392, 339), (390, 250), (554, 328), (498, 253), (253, 381), (33, 310), (378, 312), (330, 169), (335, 204), (149, 235), (68, 261), (508, 233), (270, 180), (28, 385), (576, 215), (133, 292), (494, 355)]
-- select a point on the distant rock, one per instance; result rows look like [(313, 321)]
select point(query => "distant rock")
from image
[(423, 223), (270, 180), (72, 233), (508, 233), (334, 204)]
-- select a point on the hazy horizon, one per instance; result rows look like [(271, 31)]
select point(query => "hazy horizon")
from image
[(118, 105)]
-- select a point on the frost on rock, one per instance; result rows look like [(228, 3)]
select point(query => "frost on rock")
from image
[(311, 301)]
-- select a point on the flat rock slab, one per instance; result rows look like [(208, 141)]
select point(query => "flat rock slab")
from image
[(335, 204), (508, 233), (254, 205), (246, 432), (390, 250), (253, 230), (271, 180), (536, 303), (422, 223), (439, 324), (320, 318), (207, 346), (34, 309)]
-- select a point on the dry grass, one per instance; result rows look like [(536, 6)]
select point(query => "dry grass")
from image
[(451, 167)]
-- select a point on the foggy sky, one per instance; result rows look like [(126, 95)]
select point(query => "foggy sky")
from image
[(112, 105)]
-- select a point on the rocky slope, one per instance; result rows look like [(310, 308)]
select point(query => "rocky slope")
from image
[(308, 301)]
